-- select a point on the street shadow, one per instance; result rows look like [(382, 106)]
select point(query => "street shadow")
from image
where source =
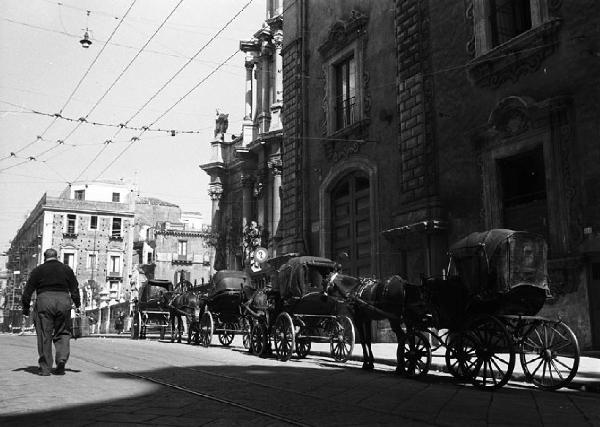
[(34, 370), (257, 393)]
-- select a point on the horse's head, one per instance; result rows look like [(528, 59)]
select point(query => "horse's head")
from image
[(341, 285)]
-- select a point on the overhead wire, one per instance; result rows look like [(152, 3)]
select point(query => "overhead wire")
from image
[(134, 139), (70, 97), (146, 128)]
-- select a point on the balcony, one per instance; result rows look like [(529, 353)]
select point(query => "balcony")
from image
[(113, 275), (70, 235), (116, 237), (182, 259)]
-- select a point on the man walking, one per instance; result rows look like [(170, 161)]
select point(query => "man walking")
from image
[(55, 285)]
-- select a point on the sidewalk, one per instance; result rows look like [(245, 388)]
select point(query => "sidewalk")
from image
[(586, 379)]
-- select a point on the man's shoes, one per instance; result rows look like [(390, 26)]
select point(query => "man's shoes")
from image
[(42, 373), (60, 369)]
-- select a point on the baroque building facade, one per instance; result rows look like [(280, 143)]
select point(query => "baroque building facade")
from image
[(245, 172), (409, 124), (170, 244)]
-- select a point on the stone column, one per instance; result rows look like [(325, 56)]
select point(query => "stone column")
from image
[(215, 191), (247, 198), (277, 82), (249, 64), (275, 167), (265, 87)]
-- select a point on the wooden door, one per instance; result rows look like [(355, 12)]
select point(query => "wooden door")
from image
[(351, 223)]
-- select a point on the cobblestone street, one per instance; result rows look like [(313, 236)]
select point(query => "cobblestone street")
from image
[(151, 382)]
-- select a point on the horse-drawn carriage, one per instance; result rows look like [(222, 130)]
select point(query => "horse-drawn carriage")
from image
[(147, 312), (483, 312), (293, 310), (500, 283), (223, 312)]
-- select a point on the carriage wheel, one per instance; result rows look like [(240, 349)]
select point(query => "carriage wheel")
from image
[(227, 334), (456, 357), (284, 337), (259, 338), (245, 327), (143, 326), (207, 326), (342, 339), (414, 354), (549, 355), (193, 332), (489, 352), (135, 326), (303, 346)]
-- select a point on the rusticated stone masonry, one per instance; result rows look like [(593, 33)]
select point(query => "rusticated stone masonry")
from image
[(415, 100), (291, 178)]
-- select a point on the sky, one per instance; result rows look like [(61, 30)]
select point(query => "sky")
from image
[(134, 73)]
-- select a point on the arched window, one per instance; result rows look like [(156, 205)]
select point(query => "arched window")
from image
[(351, 223)]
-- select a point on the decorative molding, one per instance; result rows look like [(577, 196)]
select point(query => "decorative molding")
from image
[(215, 191), (342, 33), (521, 55), (340, 40), (275, 165), (563, 275)]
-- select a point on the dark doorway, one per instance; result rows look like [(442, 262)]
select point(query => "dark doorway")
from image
[(523, 180)]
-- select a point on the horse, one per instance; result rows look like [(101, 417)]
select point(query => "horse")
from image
[(369, 300), (181, 304)]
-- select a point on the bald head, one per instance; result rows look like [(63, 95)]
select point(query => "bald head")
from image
[(50, 254)]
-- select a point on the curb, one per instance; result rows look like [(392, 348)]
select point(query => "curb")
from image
[(575, 384)]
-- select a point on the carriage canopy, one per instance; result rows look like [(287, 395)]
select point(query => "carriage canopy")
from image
[(301, 275), (230, 280), (499, 260)]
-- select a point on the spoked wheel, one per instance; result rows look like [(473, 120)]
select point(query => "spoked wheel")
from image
[(302, 347), (207, 327), (135, 326), (342, 339), (245, 327), (284, 337), (259, 339), (194, 332), (414, 354), (549, 355), (227, 334), (456, 357), (143, 326), (489, 352)]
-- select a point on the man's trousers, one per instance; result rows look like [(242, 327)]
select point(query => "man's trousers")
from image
[(52, 317)]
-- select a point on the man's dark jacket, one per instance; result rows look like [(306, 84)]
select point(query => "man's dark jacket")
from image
[(52, 275)]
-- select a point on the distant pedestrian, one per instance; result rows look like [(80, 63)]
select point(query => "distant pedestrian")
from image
[(119, 322), (55, 285)]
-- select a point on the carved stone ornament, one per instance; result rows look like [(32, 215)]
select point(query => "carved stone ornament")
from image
[(215, 191), (524, 54), (340, 150), (511, 116), (275, 165), (563, 275), (343, 33)]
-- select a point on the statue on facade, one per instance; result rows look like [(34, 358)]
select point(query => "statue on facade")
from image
[(252, 239), (222, 122)]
